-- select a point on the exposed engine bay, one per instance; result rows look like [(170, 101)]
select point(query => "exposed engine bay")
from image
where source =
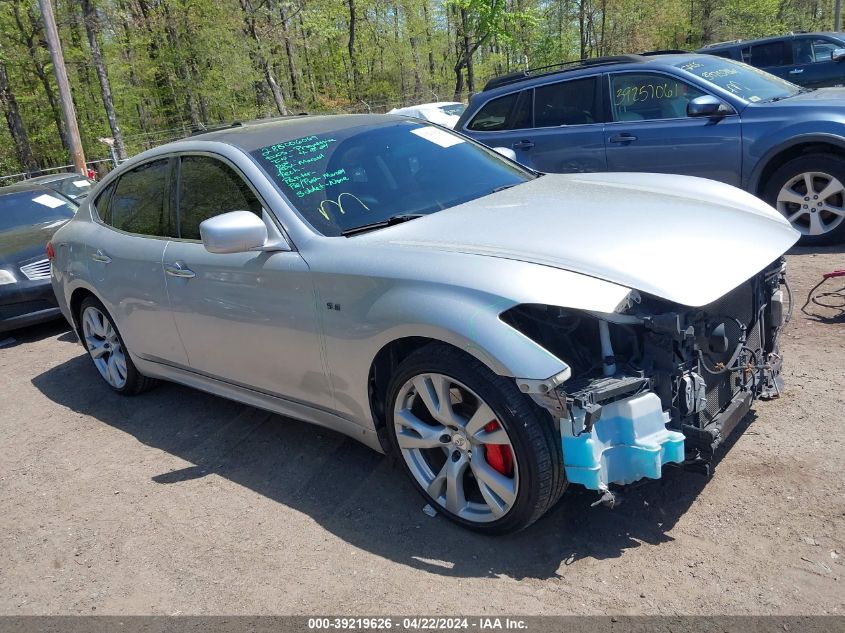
[(658, 382)]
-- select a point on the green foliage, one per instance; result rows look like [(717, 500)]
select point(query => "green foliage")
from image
[(175, 65)]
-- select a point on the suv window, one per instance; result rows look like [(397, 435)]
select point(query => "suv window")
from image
[(768, 54), (808, 50), (638, 96), (566, 103), (505, 113), (209, 187), (138, 202)]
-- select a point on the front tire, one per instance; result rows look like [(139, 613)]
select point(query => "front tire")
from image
[(810, 192), (108, 351), (476, 448)]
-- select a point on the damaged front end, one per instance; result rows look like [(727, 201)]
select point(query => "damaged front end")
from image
[(656, 382)]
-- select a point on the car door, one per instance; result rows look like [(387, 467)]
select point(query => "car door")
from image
[(125, 260), (774, 57), (813, 63), (568, 133), (650, 130), (568, 137), (246, 318)]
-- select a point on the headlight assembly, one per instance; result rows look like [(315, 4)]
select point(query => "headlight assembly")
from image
[(6, 277)]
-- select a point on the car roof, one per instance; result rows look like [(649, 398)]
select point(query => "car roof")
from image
[(54, 177), (717, 46), (24, 187), (253, 135), (539, 76)]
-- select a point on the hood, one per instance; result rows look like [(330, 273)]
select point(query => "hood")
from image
[(26, 244), (684, 239), (820, 97)]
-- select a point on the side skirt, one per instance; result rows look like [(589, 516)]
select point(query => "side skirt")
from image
[(260, 400)]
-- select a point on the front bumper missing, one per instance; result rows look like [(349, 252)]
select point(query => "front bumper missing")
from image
[(628, 443)]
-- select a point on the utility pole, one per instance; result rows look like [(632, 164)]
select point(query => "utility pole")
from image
[(837, 15), (65, 97)]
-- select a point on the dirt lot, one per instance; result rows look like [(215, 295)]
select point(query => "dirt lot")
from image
[(180, 502)]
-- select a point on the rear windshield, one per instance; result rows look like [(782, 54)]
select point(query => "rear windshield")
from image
[(33, 207), (746, 82), (357, 176)]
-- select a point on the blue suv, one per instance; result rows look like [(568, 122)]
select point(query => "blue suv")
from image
[(692, 114)]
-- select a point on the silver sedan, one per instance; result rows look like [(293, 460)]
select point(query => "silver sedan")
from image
[(505, 332)]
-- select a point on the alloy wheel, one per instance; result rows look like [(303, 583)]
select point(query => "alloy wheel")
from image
[(456, 448), (104, 346), (813, 202)]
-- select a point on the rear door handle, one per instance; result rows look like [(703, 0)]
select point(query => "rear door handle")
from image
[(796, 71), (178, 270), (101, 257), (523, 145), (624, 137)]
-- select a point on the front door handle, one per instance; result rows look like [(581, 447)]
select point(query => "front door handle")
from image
[(796, 71), (624, 137), (523, 145), (101, 257), (178, 270)]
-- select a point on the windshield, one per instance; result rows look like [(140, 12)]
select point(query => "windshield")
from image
[(357, 176), (454, 109), (33, 207), (746, 82)]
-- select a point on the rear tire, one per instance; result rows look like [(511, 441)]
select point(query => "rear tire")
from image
[(107, 350), (495, 475), (810, 192)]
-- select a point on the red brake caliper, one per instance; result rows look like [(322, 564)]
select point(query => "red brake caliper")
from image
[(499, 456)]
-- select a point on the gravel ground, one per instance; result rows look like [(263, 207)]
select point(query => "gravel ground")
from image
[(179, 502)]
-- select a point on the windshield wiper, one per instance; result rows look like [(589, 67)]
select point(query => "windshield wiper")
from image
[(372, 226), (503, 187)]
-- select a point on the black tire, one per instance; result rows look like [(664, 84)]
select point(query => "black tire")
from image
[(830, 164), (534, 439), (136, 382)]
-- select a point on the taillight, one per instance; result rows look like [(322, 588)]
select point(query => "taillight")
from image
[(51, 254)]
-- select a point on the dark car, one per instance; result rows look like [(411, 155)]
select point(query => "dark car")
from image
[(29, 215), (691, 114), (814, 60), (73, 186)]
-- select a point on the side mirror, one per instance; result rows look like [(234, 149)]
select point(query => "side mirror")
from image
[(233, 232), (706, 105), (838, 54), (507, 152)]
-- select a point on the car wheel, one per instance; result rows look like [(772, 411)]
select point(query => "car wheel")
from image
[(108, 351), (480, 451), (810, 192)]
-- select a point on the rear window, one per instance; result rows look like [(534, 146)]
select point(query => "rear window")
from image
[(138, 202), (18, 210), (770, 54)]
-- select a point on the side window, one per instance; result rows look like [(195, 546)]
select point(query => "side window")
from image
[(101, 204), (566, 103), (208, 187), (138, 202), (823, 50), (769, 54), (649, 96), (496, 115), (725, 53)]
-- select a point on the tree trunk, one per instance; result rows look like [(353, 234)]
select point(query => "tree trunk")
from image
[(581, 27), (39, 68), (16, 128), (91, 28), (468, 52), (261, 57), (292, 71), (356, 93)]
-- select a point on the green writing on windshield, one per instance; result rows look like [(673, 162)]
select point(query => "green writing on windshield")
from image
[(297, 163)]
